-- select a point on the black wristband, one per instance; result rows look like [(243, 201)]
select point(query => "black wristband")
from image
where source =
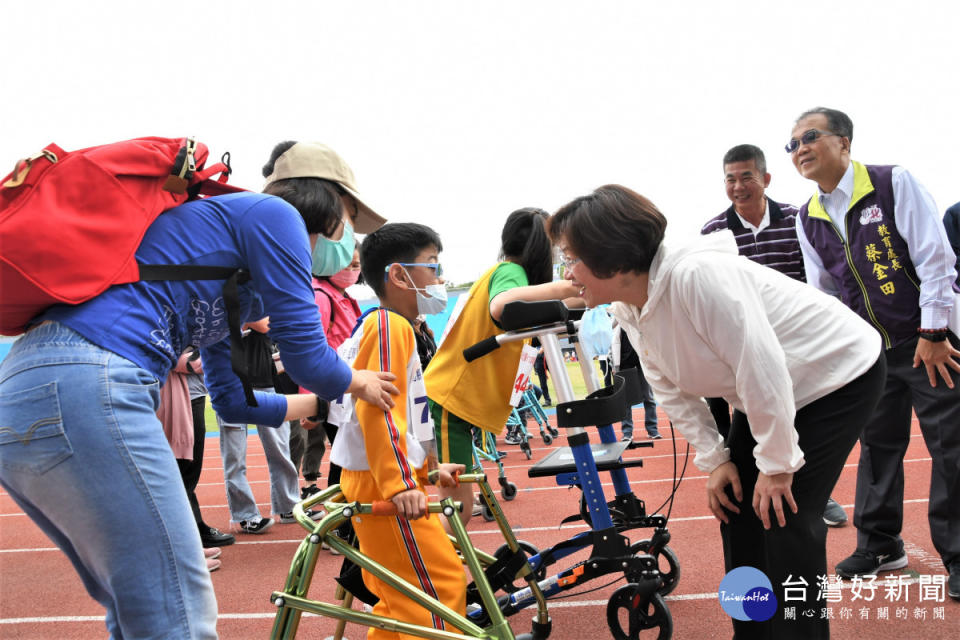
[(316, 417), (933, 335)]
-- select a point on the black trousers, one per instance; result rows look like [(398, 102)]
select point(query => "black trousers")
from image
[(720, 409), (541, 370), (307, 449), (828, 428), (190, 469), (333, 476), (878, 510)]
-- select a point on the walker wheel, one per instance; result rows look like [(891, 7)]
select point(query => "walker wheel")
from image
[(553, 431), (547, 438), (486, 513), (628, 614), (530, 550), (508, 491), (667, 563), (525, 447)]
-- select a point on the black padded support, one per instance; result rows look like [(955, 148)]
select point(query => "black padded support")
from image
[(604, 406), (578, 439), (631, 389), (525, 315)]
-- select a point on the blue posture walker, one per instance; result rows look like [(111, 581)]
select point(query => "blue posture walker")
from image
[(649, 565)]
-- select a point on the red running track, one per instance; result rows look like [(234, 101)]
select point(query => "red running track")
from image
[(41, 597)]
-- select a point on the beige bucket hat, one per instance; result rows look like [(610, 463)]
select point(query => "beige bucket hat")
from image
[(316, 160)]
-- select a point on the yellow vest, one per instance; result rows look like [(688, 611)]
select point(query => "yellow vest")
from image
[(479, 391)]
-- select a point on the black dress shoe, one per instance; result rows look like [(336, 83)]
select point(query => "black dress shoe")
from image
[(953, 583), (213, 537)]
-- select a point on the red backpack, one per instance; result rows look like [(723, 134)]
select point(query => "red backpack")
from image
[(71, 222)]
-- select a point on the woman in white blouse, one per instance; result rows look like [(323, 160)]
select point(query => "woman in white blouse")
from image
[(804, 371)]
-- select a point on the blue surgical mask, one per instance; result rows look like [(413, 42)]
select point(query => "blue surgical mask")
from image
[(333, 256), (435, 300)]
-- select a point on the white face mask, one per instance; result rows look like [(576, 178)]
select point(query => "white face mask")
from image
[(435, 300)]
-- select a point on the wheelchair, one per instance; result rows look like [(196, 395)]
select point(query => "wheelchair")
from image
[(515, 577)]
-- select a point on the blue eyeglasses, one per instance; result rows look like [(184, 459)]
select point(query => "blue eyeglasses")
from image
[(808, 137), (436, 266)]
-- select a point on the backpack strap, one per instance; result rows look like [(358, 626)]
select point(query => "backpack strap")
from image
[(184, 272), (333, 308), (363, 316), (231, 299)]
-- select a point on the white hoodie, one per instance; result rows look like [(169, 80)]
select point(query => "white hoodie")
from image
[(716, 324)]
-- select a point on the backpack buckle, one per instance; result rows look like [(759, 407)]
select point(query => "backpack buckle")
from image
[(184, 168), (22, 168)]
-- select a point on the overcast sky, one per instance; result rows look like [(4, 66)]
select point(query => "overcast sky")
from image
[(456, 113)]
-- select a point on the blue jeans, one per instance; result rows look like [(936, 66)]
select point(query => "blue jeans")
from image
[(83, 454), (284, 478), (649, 420)]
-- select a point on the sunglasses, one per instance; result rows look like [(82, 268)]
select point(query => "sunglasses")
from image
[(808, 137)]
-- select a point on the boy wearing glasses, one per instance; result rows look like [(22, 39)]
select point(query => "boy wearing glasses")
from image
[(871, 236), (385, 455)]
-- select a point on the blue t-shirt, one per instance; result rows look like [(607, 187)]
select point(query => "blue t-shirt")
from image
[(152, 322)]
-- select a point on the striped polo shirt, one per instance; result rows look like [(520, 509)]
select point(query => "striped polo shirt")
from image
[(776, 246)]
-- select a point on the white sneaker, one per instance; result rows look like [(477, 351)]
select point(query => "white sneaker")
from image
[(333, 552), (260, 525)]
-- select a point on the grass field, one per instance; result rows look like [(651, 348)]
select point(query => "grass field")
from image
[(573, 370)]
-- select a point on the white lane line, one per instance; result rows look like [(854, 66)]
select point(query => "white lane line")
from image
[(553, 604), (521, 490), (478, 532), (52, 619), (506, 467)]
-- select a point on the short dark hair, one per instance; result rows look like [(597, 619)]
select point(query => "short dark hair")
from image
[(745, 153), (317, 200), (525, 241), (612, 230), (838, 122), (394, 242)]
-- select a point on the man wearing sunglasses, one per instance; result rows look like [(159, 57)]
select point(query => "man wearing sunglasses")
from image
[(872, 236), (766, 233)]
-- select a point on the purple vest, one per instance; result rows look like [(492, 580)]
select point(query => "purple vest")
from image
[(873, 268)]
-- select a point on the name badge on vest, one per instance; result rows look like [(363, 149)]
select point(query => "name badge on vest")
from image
[(872, 214)]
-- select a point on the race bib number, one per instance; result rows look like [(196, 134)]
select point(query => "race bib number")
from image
[(418, 408), (522, 379)]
